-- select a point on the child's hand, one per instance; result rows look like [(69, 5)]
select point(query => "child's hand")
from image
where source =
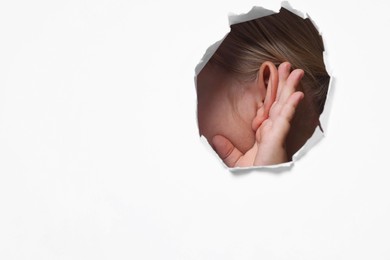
[(269, 147)]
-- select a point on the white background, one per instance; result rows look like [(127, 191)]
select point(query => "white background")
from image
[(100, 156)]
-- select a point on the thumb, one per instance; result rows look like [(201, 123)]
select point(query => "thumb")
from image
[(226, 150)]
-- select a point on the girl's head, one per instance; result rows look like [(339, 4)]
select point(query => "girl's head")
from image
[(233, 84)]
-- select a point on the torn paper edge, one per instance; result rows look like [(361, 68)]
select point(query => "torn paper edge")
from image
[(255, 13)]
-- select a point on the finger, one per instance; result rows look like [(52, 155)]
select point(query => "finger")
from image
[(291, 105), (226, 150), (266, 126), (284, 72), (291, 85), (282, 124)]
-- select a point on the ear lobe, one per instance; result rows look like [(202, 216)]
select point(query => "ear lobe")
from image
[(267, 81)]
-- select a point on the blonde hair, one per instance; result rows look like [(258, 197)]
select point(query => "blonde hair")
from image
[(280, 37)]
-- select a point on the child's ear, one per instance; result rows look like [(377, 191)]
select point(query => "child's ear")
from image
[(267, 82)]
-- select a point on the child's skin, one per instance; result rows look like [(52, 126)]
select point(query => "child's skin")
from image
[(253, 129)]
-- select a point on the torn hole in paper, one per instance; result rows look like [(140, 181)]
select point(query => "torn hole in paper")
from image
[(261, 90)]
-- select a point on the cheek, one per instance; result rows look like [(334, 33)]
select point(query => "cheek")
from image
[(242, 137), (233, 122), (229, 125), (210, 117)]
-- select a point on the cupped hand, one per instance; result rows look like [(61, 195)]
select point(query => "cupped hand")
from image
[(269, 147)]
